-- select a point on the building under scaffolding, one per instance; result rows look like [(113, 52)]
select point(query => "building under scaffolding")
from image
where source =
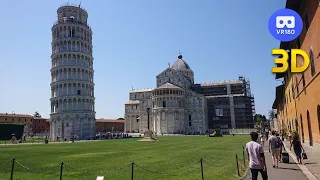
[(230, 104)]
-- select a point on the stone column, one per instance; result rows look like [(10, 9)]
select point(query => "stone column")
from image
[(154, 123), (231, 102), (129, 117), (81, 130), (166, 119), (158, 123)]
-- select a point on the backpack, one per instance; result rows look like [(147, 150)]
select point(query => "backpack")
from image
[(278, 143)]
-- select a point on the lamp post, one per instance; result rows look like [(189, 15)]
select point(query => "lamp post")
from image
[(148, 111), (148, 133)]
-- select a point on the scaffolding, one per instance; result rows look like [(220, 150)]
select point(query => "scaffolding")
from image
[(233, 98)]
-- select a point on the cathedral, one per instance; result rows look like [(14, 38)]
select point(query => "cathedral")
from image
[(171, 107)]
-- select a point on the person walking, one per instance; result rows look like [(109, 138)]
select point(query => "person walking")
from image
[(257, 162), (274, 149), (280, 145), (297, 147), (262, 139)]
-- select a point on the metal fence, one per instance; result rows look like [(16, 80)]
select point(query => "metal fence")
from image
[(242, 163), (13, 163)]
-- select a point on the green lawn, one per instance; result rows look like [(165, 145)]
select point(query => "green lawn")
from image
[(171, 158)]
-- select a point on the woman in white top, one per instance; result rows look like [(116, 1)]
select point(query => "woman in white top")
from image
[(262, 139)]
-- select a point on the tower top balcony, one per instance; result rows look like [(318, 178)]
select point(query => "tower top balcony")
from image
[(72, 11)]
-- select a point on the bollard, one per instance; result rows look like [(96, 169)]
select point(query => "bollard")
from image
[(237, 164), (244, 159), (12, 168), (201, 165), (61, 169), (132, 170)]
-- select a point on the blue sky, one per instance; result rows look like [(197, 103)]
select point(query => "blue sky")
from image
[(133, 41)]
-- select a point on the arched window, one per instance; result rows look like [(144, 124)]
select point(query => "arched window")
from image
[(302, 130), (190, 120), (313, 69), (303, 80), (318, 113), (309, 129)]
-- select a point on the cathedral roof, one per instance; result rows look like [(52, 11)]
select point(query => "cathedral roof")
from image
[(168, 86), (141, 90), (133, 102), (180, 64)]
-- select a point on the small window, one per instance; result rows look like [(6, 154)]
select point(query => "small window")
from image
[(306, 19), (298, 42), (67, 125), (25, 120), (297, 85), (12, 119), (19, 119), (79, 92), (163, 104), (190, 120), (6, 119), (313, 69)]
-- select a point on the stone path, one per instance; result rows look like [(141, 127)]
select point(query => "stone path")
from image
[(290, 171)]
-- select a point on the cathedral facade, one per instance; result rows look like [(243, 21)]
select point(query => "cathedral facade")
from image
[(171, 107)]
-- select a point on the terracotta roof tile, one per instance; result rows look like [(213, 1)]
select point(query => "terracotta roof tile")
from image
[(16, 115)]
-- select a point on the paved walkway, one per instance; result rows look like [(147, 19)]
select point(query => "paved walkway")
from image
[(290, 171), (311, 166)]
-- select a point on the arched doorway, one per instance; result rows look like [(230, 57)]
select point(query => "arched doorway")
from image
[(309, 129), (302, 130)]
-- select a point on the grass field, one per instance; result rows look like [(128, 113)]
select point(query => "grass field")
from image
[(171, 158)]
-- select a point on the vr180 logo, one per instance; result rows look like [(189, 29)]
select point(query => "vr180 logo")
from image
[(284, 60), (285, 21), (285, 25)]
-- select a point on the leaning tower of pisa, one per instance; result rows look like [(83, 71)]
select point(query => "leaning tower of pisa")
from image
[(72, 87)]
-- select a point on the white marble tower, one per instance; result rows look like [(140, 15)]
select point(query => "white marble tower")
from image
[(72, 87)]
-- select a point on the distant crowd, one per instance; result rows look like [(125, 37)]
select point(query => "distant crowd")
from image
[(111, 135)]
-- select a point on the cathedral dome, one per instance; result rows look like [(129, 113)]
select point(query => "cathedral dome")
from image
[(180, 64)]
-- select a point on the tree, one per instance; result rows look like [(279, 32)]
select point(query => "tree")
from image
[(120, 118), (272, 114), (260, 120), (36, 114)]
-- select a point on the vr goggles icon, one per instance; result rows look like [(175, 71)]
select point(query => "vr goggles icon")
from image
[(282, 21)]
